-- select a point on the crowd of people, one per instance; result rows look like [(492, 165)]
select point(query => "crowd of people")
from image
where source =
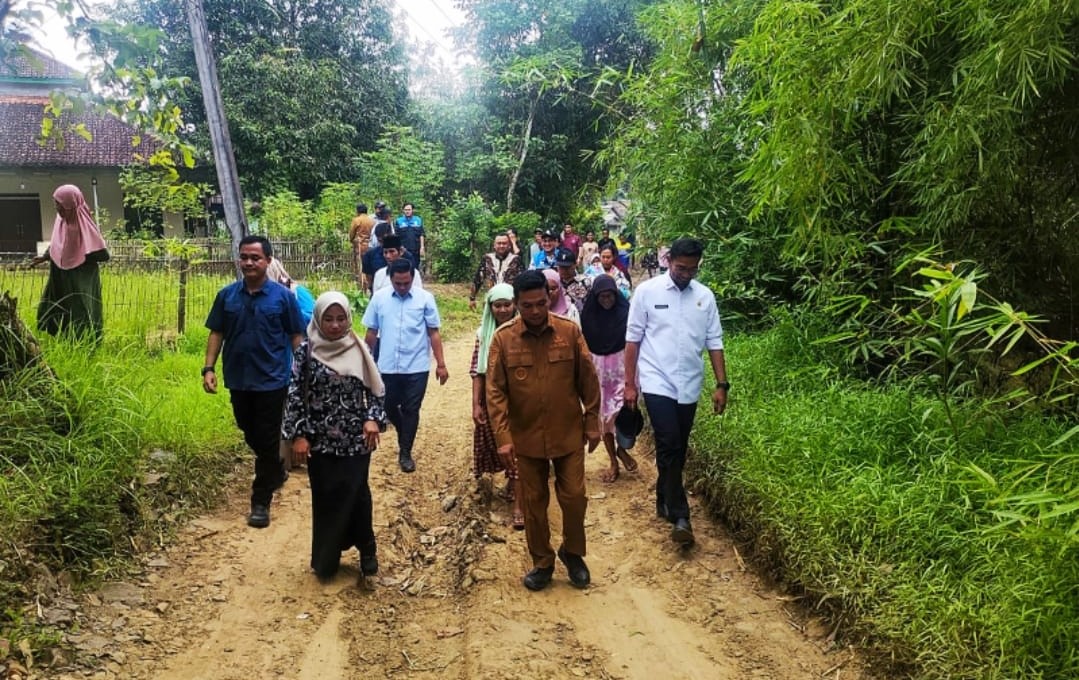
[(559, 360), (566, 349)]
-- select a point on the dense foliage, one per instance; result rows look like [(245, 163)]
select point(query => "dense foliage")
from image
[(307, 86)]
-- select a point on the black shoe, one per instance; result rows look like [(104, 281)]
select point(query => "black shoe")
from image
[(406, 462), (538, 578), (661, 510), (259, 517), (368, 565), (682, 533), (578, 570)]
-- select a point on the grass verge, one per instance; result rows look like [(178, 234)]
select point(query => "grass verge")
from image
[(863, 497)]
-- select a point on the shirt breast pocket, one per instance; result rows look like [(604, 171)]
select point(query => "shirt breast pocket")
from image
[(561, 365), (519, 365)]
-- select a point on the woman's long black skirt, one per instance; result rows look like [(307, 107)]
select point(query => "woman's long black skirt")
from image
[(340, 510)]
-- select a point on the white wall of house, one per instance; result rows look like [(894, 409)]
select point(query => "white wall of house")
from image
[(31, 182)]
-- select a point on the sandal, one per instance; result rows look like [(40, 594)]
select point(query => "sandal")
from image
[(628, 461)]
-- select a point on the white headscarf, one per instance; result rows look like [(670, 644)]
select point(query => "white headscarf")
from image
[(347, 355)]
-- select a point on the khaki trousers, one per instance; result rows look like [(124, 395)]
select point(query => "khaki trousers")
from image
[(536, 497)]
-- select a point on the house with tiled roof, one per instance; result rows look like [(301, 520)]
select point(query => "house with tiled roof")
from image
[(30, 171)]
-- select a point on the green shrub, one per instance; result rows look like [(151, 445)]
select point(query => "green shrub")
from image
[(466, 232)]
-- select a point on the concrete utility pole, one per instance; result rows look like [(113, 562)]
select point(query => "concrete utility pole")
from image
[(227, 178)]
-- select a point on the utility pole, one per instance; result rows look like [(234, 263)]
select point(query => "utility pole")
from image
[(227, 178)]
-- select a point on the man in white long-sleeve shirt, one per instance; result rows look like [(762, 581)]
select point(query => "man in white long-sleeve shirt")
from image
[(672, 320)]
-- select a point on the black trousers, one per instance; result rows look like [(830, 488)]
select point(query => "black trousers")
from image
[(404, 396), (671, 425), (258, 415)]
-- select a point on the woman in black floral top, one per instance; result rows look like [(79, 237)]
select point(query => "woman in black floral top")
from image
[(333, 417)]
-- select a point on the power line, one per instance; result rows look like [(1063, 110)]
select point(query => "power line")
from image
[(450, 20)]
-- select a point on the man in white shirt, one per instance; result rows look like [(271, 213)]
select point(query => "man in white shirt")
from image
[(392, 250), (672, 319)]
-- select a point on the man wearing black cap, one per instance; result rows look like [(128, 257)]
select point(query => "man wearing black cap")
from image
[(576, 285), (545, 258)]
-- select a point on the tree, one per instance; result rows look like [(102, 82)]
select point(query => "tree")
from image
[(540, 64), (403, 169), (307, 86)]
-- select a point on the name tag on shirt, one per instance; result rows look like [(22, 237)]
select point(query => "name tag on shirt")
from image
[(662, 306)]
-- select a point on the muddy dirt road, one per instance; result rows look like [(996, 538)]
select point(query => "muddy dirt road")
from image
[(229, 602)]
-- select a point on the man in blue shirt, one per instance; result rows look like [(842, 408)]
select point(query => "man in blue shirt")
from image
[(402, 330), (547, 257), (409, 227), (257, 324)]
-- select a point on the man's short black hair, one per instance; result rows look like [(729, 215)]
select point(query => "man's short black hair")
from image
[(267, 249), (361, 208), (382, 231), (686, 247), (401, 265), (391, 241), (608, 246), (532, 279), (407, 204)]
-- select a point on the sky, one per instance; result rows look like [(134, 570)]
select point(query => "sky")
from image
[(425, 20)]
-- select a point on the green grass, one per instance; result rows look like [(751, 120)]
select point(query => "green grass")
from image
[(862, 497)]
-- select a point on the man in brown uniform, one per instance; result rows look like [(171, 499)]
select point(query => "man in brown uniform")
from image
[(359, 234), (543, 400)]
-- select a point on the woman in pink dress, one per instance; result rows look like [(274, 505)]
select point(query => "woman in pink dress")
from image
[(603, 323)]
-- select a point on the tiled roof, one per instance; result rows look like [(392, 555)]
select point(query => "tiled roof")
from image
[(41, 66), (20, 125)]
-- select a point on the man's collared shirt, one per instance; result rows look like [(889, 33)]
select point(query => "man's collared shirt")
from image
[(542, 260), (493, 271), (537, 387), (373, 259), (382, 279), (402, 323), (572, 243), (673, 327), (257, 329)]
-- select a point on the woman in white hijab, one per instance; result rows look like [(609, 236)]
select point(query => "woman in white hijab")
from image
[(333, 417)]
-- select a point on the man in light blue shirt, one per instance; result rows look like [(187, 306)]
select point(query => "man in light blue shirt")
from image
[(672, 319), (402, 330)]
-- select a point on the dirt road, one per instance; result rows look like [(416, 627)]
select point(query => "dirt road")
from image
[(230, 602)]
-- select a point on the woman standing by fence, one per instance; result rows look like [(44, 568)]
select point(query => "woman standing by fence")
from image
[(72, 298)]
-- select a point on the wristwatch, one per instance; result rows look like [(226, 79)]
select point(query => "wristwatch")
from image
[(725, 386), (207, 369)]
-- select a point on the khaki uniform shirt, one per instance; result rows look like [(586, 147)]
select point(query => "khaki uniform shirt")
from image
[(360, 232), (537, 385)]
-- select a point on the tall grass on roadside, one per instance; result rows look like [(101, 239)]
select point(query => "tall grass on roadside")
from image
[(864, 497), (78, 486)]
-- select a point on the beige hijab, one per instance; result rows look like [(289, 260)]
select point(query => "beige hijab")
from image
[(346, 355)]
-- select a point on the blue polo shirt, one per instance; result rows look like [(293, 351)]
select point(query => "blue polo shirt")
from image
[(258, 329), (402, 323)]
